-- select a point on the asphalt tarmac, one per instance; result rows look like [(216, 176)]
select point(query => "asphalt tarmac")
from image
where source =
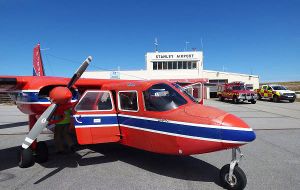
[(272, 161)]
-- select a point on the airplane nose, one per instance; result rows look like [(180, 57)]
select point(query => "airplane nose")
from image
[(236, 130)]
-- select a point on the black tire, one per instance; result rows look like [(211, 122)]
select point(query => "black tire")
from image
[(292, 100), (253, 102), (26, 159), (235, 100), (221, 98), (258, 96), (275, 98), (41, 152), (239, 178)]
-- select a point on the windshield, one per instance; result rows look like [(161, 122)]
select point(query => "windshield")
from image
[(185, 92), (279, 88), (161, 97), (240, 87)]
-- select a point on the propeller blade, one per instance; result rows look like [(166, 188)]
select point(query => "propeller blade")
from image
[(79, 72), (41, 123)]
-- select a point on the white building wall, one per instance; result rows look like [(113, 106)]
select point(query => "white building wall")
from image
[(191, 74), (197, 73), (231, 77)]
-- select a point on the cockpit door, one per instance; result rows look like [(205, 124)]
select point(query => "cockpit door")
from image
[(95, 118)]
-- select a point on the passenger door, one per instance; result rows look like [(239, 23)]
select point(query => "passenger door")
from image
[(264, 91), (95, 118), (270, 92)]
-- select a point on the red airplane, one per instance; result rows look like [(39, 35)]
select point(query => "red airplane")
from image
[(157, 116)]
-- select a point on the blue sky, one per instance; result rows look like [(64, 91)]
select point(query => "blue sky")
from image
[(251, 36)]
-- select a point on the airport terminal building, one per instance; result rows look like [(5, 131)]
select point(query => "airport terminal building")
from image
[(177, 66)]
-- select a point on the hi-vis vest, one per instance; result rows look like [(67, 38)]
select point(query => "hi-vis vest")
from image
[(67, 117)]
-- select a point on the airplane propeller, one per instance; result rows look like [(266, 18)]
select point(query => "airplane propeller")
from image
[(64, 96)]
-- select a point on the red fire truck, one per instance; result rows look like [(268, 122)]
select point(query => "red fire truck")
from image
[(237, 92)]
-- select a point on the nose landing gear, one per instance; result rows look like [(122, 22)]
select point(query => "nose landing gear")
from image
[(231, 175)]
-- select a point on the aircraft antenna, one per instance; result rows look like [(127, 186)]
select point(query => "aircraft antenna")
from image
[(156, 44), (186, 45)]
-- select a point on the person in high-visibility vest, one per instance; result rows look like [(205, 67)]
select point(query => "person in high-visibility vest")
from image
[(61, 132)]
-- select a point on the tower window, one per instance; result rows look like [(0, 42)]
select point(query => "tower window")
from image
[(189, 65), (159, 65), (174, 64), (154, 65), (170, 65), (165, 65), (184, 65), (179, 64), (194, 65)]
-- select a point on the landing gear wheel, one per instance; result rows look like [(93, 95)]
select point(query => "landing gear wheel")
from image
[(41, 152), (26, 159), (239, 179)]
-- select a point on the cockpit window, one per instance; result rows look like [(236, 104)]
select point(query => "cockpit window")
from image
[(162, 97)]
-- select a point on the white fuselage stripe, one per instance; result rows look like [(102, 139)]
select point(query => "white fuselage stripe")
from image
[(190, 124), (94, 115), (95, 126), (184, 136)]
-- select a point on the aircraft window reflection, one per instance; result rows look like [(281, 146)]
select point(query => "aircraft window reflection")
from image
[(161, 97), (95, 101), (128, 101), (190, 96)]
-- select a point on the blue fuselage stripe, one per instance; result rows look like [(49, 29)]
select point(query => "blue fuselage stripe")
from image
[(34, 97), (188, 130), (168, 127)]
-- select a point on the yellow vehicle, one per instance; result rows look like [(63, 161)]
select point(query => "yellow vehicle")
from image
[(275, 93)]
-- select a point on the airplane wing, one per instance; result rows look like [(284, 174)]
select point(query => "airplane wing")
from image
[(9, 83)]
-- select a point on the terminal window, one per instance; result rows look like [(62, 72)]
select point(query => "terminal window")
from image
[(174, 65)]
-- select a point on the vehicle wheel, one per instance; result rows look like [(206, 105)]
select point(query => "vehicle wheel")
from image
[(253, 102), (235, 100), (221, 98), (259, 96), (26, 159), (41, 152), (292, 100), (275, 98), (239, 179)]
